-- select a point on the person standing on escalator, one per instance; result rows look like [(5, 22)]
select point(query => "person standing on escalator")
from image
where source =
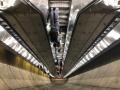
[(54, 17)]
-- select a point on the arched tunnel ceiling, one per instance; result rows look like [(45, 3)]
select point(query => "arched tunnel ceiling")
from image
[(29, 25), (88, 26)]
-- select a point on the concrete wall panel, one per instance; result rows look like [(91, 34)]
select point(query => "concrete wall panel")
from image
[(107, 76), (16, 72)]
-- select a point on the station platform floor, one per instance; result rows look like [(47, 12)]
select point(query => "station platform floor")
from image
[(67, 87)]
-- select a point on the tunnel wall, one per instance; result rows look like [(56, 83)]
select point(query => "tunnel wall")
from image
[(16, 72), (106, 77)]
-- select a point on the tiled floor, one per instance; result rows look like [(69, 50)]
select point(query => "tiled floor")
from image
[(67, 87)]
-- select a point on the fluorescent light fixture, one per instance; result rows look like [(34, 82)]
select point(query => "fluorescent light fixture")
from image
[(96, 50), (113, 34), (29, 56), (99, 47), (33, 59), (103, 44), (106, 42), (91, 55), (24, 54), (35, 62), (84, 60), (87, 57), (18, 49)]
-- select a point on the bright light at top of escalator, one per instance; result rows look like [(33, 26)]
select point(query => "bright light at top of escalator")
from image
[(4, 4), (113, 3)]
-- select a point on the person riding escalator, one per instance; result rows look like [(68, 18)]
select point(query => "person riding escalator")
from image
[(53, 16)]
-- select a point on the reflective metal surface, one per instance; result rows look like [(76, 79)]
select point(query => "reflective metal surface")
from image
[(76, 8), (101, 45), (10, 41)]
